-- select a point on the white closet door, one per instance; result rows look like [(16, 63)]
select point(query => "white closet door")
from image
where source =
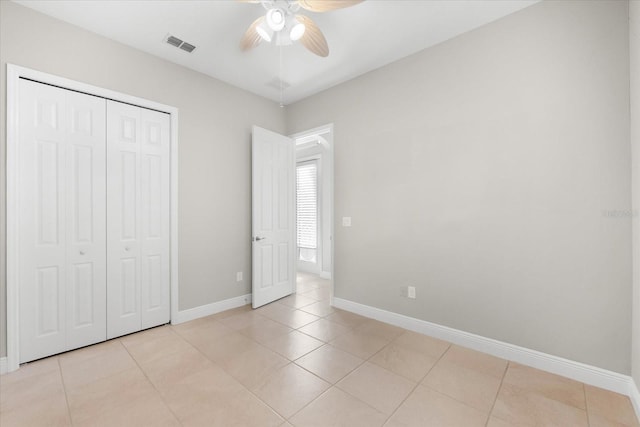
[(62, 227), (138, 218), (123, 211), (42, 139), (155, 231), (86, 220)]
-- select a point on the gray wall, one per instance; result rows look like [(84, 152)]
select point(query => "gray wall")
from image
[(492, 172), (479, 171), (214, 143), (634, 50)]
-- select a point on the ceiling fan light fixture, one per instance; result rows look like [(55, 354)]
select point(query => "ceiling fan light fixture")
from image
[(297, 30), (276, 19), (283, 39), (265, 32)]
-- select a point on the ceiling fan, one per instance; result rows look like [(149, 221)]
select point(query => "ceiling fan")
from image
[(283, 25)]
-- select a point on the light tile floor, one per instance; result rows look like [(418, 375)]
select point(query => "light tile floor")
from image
[(297, 362)]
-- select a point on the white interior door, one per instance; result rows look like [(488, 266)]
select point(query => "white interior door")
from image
[(273, 216), (62, 223), (86, 309), (156, 228), (138, 186), (123, 210)]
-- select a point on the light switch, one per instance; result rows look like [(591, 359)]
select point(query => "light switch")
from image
[(346, 221)]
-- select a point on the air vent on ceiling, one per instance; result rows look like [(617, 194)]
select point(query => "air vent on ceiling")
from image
[(188, 47), (276, 83), (174, 41)]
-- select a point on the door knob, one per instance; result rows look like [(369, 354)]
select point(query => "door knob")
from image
[(127, 248), (81, 252), (257, 238)]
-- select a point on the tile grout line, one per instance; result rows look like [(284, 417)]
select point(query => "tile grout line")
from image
[(312, 400), (286, 419), (504, 374), (235, 379), (335, 385), (64, 387), (300, 327), (417, 385), (368, 360), (340, 379), (586, 405), (149, 379)]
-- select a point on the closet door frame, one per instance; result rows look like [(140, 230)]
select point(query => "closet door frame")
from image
[(14, 73)]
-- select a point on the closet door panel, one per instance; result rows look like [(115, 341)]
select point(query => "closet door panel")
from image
[(155, 231), (123, 219), (42, 227), (95, 219), (86, 216), (62, 222)]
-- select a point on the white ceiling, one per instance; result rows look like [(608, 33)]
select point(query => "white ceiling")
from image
[(361, 38)]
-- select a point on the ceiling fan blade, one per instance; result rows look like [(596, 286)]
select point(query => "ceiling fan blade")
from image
[(251, 38), (326, 5), (313, 39)]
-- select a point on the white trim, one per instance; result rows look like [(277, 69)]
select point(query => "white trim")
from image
[(634, 396), (13, 266), (313, 135), (567, 368), (14, 73), (3, 365), (209, 309), (174, 215)]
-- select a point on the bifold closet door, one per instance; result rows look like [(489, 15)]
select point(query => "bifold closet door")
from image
[(62, 276), (138, 228)]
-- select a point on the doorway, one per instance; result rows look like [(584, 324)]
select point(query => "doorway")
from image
[(314, 210), (277, 242), (308, 215)]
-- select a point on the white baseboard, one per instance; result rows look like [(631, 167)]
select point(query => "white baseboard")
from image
[(587, 374), (3, 365), (325, 275), (634, 395), (209, 309)]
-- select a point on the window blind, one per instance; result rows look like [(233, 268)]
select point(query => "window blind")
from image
[(307, 204)]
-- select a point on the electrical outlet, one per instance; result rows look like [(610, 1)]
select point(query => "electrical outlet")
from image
[(239, 276), (346, 221), (411, 292)]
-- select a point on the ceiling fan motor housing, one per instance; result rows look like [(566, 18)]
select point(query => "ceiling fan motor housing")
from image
[(276, 18)]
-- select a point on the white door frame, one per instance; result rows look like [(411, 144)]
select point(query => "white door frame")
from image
[(14, 73), (323, 135)]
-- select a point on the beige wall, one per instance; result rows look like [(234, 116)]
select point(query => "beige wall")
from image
[(214, 143), (634, 49), (480, 170)]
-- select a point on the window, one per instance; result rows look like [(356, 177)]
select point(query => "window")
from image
[(307, 210)]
